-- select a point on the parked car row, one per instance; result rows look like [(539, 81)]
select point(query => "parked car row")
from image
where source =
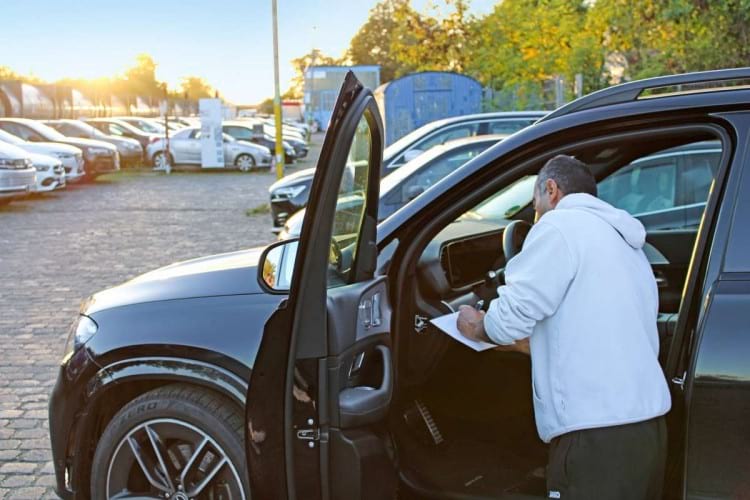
[(290, 194)]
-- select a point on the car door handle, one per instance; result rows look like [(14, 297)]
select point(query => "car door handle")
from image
[(364, 405)]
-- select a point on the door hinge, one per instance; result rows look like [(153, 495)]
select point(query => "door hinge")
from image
[(680, 381), (420, 323), (310, 435)]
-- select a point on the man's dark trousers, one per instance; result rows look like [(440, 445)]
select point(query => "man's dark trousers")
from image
[(624, 462)]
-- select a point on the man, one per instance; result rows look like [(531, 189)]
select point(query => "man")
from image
[(583, 295)]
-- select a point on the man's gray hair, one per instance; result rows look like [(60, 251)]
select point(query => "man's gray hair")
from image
[(570, 174)]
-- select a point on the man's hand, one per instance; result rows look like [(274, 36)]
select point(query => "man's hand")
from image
[(471, 324)]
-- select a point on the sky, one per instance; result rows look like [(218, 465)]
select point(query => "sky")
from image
[(227, 42)]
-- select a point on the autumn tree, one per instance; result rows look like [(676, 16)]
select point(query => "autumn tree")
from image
[(195, 87), (374, 43)]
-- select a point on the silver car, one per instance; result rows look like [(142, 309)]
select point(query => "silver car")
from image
[(130, 150), (185, 148), (17, 173)]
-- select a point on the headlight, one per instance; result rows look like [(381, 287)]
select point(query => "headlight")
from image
[(96, 151), (81, 331), (289, 191), (42, 168), (20, 164)]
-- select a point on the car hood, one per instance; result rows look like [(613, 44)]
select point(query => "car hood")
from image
[(88, 143), (249, 146), (45, 160), (224, 274), (50, 148), (300, 177)]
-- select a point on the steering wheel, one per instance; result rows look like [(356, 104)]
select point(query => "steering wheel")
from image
[(513, 238)]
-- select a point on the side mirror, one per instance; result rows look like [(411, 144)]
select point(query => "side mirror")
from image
[(276, 265), (411, 154), (414, 191)]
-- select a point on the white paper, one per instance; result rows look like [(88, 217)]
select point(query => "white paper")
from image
[(449, 325)]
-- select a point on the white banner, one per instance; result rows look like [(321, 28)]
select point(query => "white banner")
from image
[(212, 142)]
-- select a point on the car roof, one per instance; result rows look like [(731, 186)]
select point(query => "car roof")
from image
[(659, 88)]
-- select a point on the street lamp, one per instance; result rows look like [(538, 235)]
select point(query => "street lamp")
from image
[(277, 95)]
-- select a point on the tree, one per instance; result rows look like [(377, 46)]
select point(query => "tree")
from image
[(424, 42), (140, 79), (195, 87), (373, 43), (524, 43), (314, 58)]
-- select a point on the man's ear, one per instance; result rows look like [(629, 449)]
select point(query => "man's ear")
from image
[(553, 191)]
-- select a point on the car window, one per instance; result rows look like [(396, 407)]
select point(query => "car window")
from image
[(25, 133), (115, 129), (508, 126), (667, 189), (449, 134), (349, 215), (434, 171), (240, 133)]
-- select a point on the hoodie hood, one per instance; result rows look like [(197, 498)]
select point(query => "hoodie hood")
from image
[(630, 228)]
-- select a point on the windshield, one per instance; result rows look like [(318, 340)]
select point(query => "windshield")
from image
[(146, 126), (11, 139), (409, 138), (505, 204), (47, 132)]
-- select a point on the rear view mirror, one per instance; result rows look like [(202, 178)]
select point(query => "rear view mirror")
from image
[(411, 154), (276, 265)]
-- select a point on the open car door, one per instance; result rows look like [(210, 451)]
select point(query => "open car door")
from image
[(322, 381)]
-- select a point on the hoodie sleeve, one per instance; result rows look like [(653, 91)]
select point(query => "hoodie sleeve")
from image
[(536, 282)]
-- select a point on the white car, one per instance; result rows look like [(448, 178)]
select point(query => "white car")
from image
[(50, 174), (70, 156), (185, 148), (17, 174)]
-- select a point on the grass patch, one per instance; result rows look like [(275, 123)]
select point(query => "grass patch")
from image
[(265, 208)]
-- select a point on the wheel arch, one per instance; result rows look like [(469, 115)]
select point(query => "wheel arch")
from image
[(117, 384)]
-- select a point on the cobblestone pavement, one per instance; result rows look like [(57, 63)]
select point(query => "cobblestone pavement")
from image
[(57, 249)]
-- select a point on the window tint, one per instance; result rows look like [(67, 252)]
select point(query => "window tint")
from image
[(115, 129), (508, 126), (350, 209), (666, 190), (450, 134), (240, 133)]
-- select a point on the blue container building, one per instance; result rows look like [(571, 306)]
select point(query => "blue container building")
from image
[(416, 99), (322, 85)]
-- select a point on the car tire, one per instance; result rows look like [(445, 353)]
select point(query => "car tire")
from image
[(183, 422), (244, 162), (158, 160)]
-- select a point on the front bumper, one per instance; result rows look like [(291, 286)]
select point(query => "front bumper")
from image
[(16, 183), (48, 181), (102, 164), (74, 169), (67, 417)]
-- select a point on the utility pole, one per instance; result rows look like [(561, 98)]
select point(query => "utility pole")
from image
[(277, 95)]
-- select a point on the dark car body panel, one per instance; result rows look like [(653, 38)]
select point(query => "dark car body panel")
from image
[(182, 319)]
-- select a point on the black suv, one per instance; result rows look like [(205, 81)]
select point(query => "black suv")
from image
[(309, 369)]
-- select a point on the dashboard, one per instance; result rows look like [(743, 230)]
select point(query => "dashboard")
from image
[(458, 258)]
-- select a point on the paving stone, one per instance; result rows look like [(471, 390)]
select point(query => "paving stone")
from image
[(60, 248), (17, 468)]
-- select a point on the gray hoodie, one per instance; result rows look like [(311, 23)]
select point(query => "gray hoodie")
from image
[(584, 292)]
